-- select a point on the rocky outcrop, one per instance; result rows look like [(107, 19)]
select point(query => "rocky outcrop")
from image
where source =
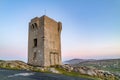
[(19, 65), (104, 75)]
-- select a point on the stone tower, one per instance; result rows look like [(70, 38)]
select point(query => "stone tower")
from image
[(44, 42)]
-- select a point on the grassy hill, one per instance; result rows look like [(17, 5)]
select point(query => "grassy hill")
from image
[(82, 72), (111, 65)]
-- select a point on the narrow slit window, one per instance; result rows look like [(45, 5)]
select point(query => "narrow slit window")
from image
[(34, 56), (35, 25), (35, 42), (32, 26)]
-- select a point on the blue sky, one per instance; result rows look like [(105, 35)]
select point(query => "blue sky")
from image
[(91, 28)]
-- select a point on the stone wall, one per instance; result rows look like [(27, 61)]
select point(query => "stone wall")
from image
[(44, 42), (52, 43), (36, 54)]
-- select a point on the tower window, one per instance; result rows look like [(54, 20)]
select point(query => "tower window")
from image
[(35, 42), (35, 25), (34, 55), (32, 26)]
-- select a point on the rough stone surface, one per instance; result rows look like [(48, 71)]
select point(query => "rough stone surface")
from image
[(53, 70), (104, 75), (19, 65), (44, 42)]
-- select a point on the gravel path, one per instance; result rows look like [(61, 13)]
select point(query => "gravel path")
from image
[(26, 75)]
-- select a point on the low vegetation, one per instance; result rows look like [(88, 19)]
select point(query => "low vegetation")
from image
[(83, 72), (75, 74), (111, 65)]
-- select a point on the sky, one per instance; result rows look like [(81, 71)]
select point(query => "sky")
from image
[(90, 28)]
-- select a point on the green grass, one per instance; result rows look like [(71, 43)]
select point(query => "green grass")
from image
[(109, 67), (75, 74)]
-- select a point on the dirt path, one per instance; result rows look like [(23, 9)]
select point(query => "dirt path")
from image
[(26, 75)]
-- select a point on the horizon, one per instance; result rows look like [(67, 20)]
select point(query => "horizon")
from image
[(69, 59), (90, 29), (92, 59)]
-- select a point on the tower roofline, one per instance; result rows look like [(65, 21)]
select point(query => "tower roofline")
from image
[(36, 18), (44, 16)]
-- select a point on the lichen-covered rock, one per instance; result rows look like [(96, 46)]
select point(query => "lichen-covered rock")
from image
[(53, 70), (104, 75), (66, 68)]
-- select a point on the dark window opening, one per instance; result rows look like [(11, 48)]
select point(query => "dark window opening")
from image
[(35, 42), (35, 25), (34, 56), (32, 26)]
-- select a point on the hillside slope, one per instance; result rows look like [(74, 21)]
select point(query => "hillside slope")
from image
[(111, 65), (83, 71)]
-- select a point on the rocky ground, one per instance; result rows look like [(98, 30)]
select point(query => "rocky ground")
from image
[(111, 65), (63, 69), (104, 75), (6, 74)]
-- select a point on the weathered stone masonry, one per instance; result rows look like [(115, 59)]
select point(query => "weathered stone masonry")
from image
[(44, 42)]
